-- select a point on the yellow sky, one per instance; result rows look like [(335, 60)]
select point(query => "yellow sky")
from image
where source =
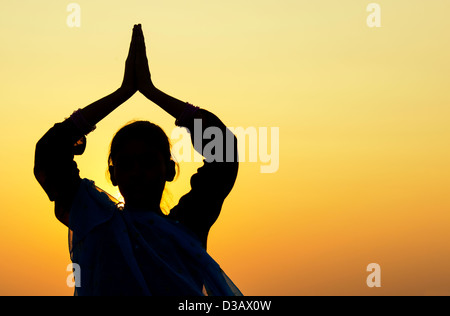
[(362, 112)]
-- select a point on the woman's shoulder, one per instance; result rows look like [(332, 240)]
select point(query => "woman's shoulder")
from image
[(91, 207)]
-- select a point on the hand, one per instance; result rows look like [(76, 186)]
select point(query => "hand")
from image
[(129, 84), (144, 81)]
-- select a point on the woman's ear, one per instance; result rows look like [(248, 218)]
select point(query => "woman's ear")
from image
[(170, 171), (111, 175)]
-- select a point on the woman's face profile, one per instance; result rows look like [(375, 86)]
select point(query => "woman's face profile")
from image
[(140, 173)]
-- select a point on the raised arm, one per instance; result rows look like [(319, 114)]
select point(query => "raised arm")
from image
[(54, 168), (198, 209), (97, 111)]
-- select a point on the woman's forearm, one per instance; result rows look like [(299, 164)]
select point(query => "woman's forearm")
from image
[(168, 103), (98, 110)]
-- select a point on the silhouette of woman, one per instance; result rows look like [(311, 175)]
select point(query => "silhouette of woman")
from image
[(136, 249)]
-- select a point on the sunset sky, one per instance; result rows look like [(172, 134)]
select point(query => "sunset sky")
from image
[(363, 116)]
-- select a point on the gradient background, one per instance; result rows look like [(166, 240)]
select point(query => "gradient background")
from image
[(364, 133)]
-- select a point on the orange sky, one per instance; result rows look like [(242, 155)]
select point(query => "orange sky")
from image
[(363, 133)]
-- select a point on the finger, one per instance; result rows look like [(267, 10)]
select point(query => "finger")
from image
[(140, 47), (141, 36), (132, 50)]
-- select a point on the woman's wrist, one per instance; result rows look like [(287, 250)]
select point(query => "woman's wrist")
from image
[(124, 93), (149, 90)]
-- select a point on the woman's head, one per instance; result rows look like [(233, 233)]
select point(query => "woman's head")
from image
[(140, 163)]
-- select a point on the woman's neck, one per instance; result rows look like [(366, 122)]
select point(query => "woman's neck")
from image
[(144, 208)]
